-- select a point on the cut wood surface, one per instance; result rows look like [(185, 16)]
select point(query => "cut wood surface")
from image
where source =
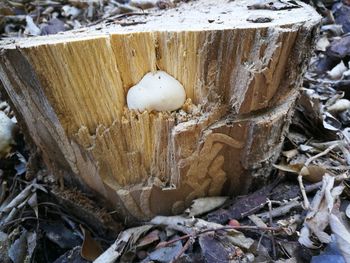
[(241, 79)]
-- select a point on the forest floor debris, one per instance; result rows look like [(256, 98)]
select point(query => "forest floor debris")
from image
[(303, 215)]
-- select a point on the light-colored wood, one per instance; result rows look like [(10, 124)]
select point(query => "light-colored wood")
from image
[(241, 81)]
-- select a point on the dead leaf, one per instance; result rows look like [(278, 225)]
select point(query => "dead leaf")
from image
[(317, 218), (206, 204), (214, 251), (70, 11), (337, 71), (342, 15), (306, 148), (290, 154), (53, 27), (291, 224), (18, 199), (150, 238), (127, 238), (3, 237), (71, 256), (21, 167), (322, 43), (313, 173), (166, 254), (335, 30), (305, 240), (339, 48), (59, 234), (331, 123), (239, 239), (5, 10), (33, 203), (291, 168), (18, 250), (90, 249), (347, 211), (31, 243), (342, 236), (32, 28)]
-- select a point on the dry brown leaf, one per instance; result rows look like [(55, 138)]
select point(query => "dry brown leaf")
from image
[(291, 168), (91, 249), (150, 238), (313, 173)]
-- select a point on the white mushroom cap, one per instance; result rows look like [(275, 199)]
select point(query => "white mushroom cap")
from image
[(156, 91), (6, 134)]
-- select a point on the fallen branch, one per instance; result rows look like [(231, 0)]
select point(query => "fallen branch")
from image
[(279, 211)]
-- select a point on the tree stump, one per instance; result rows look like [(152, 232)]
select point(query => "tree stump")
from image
[(241, 69)]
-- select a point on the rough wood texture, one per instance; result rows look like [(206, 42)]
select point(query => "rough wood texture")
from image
[(241, 80)]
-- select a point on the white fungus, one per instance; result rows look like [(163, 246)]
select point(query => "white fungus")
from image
[(156, 91), (6, 134)]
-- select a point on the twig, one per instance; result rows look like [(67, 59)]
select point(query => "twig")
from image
[(302, 190), (253, 210), (196, 234), (189, 242), (313, 187), (19, 219), (257, 220), (18, 199), (300, 177), (281, 210), (313, 158), (3, 191), (260, 240), (272, 232), (115, 17)]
